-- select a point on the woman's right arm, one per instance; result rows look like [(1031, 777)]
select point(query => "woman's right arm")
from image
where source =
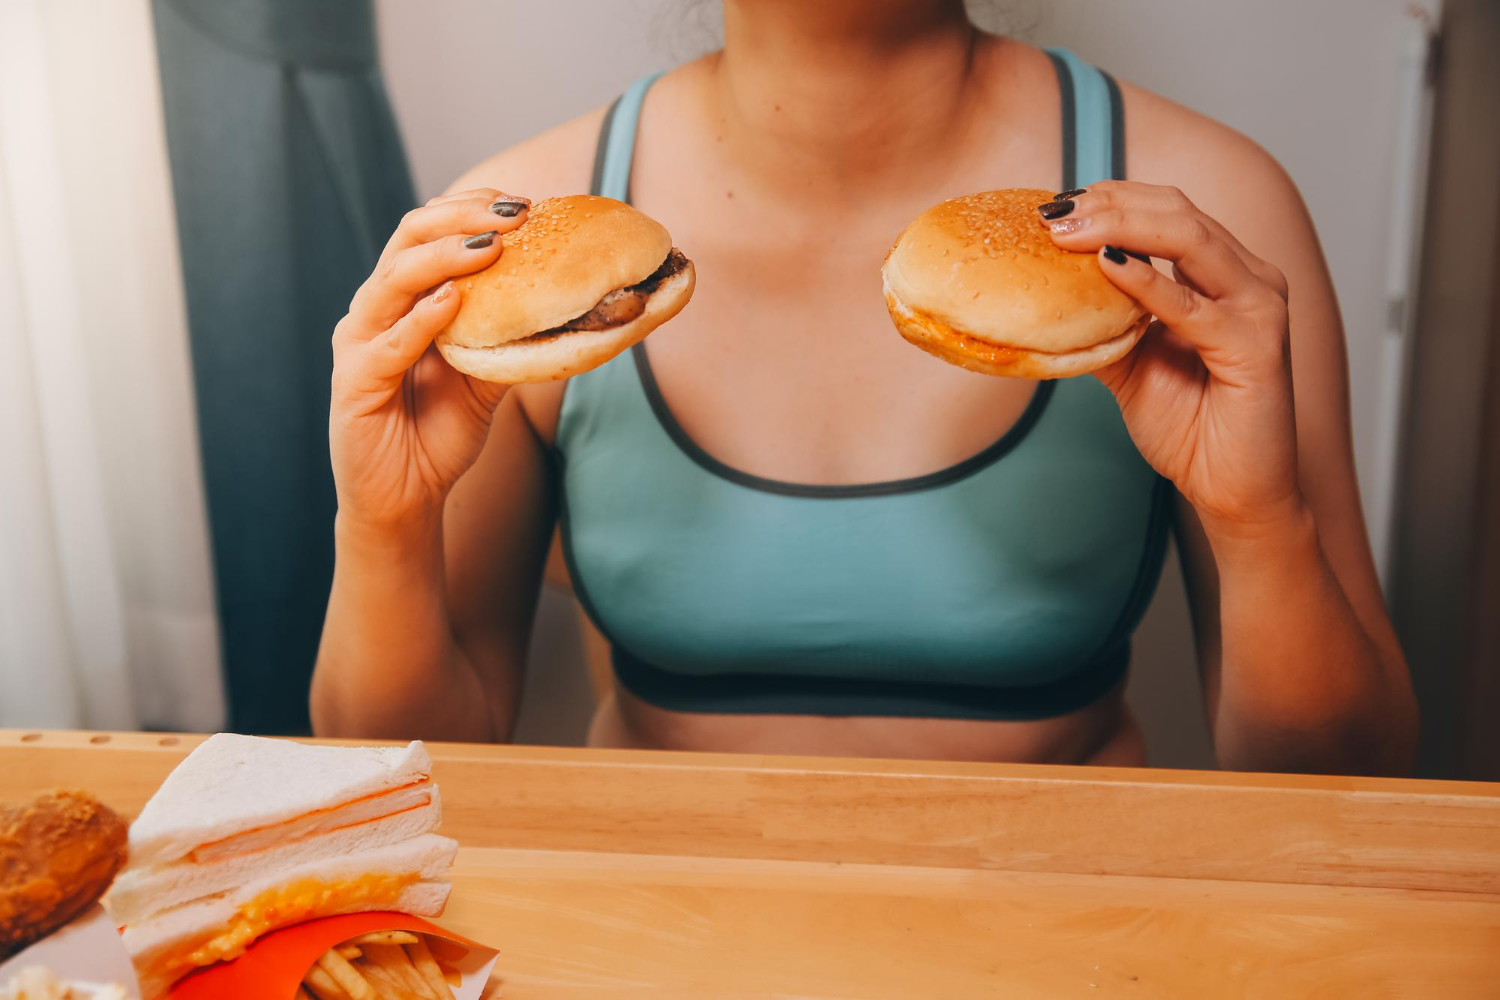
[(403, 428)]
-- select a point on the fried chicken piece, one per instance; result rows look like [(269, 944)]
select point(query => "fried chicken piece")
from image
[(57, 856)]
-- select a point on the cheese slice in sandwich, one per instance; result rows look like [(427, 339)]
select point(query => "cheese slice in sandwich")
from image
[(248, 835)]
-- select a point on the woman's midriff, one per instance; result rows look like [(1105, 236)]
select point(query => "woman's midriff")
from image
[(1103, 733)]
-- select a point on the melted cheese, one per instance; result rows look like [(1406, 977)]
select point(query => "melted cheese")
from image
[(286, 905)]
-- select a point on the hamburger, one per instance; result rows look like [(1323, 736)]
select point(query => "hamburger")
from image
[(978, 282), (582, 279)]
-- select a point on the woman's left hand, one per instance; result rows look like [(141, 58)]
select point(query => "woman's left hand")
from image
[(1207, 393)]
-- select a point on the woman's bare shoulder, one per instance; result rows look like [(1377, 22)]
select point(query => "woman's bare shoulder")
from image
[(1228, 174), (558, 161)]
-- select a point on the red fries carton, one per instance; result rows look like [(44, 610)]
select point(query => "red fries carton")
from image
[(274, 966)]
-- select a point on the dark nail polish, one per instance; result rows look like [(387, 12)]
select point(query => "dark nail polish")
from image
[(481, 241), (1065, 195), (1114, 255), (509, 209), (1056, 209), (1138, 256)]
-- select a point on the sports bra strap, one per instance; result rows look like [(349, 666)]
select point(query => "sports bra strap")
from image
[(617, 141), (1093, 120)]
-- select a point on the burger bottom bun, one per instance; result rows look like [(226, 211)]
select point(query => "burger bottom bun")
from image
[(555, 356), (981, 356)]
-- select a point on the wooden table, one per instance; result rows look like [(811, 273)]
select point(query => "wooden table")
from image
[(605, 875)]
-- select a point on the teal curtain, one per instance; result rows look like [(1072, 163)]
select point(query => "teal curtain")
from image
[(288, 174)]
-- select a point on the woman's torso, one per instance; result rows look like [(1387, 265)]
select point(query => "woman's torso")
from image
[(785, 367)]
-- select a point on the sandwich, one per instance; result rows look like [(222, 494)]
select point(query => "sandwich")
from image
[(248, 835), (978, 282), (582, 279)]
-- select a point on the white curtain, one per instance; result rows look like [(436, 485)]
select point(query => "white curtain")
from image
[(106, 594)]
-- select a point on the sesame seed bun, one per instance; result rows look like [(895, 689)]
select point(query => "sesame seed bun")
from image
[(554, 268), (979, 283)]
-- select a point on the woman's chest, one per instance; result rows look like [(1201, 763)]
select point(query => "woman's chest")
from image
[(1013, 569), (786, 365)]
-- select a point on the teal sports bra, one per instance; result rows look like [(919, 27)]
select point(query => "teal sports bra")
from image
[(1004, 587)]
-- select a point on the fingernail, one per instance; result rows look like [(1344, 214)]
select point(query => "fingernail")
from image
[(1074, 193), (1056, 209), (444, 290), (1138, 256), (509, 209), (481, 241), (1114, 255), (1071, 225)]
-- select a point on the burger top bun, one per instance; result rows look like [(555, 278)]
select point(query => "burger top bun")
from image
[(568, 254), (983, 267)]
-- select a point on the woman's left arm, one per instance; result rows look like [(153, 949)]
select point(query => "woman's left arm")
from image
[(1302, 669)]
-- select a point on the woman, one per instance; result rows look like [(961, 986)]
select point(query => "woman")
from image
[(741, 496)]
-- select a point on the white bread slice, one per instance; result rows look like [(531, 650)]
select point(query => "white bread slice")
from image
[(232, 783), (139, 892), (158, 943)]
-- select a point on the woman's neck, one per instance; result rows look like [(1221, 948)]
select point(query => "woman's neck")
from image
[(839, 95)]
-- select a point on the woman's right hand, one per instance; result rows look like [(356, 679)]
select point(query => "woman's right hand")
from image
[(403, 425)]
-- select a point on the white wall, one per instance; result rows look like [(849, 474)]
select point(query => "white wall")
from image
[(1313, 82)]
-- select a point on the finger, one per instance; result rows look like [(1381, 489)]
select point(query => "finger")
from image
[(388, 293), (1172, 199), (457, 215), (486, 195), (1086, 202), (480, 193), (1176, 305), (382, 363), (1184, 238), (1114, 194)]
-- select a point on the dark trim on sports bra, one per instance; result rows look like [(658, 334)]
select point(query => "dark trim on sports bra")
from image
[(1117, 124), (1069, 123), (768, 694), (601, 148), (952, 474)]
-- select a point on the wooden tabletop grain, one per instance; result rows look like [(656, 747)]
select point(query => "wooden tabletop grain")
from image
[(603, 874)]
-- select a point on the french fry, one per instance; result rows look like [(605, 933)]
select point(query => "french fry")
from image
[(394, 959), (386, 987), (421, 957), (301, 994), (383, 937), (324, 986), (345, 975), (348, 952)]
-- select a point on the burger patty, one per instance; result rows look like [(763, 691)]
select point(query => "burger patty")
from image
[(625, 304)]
